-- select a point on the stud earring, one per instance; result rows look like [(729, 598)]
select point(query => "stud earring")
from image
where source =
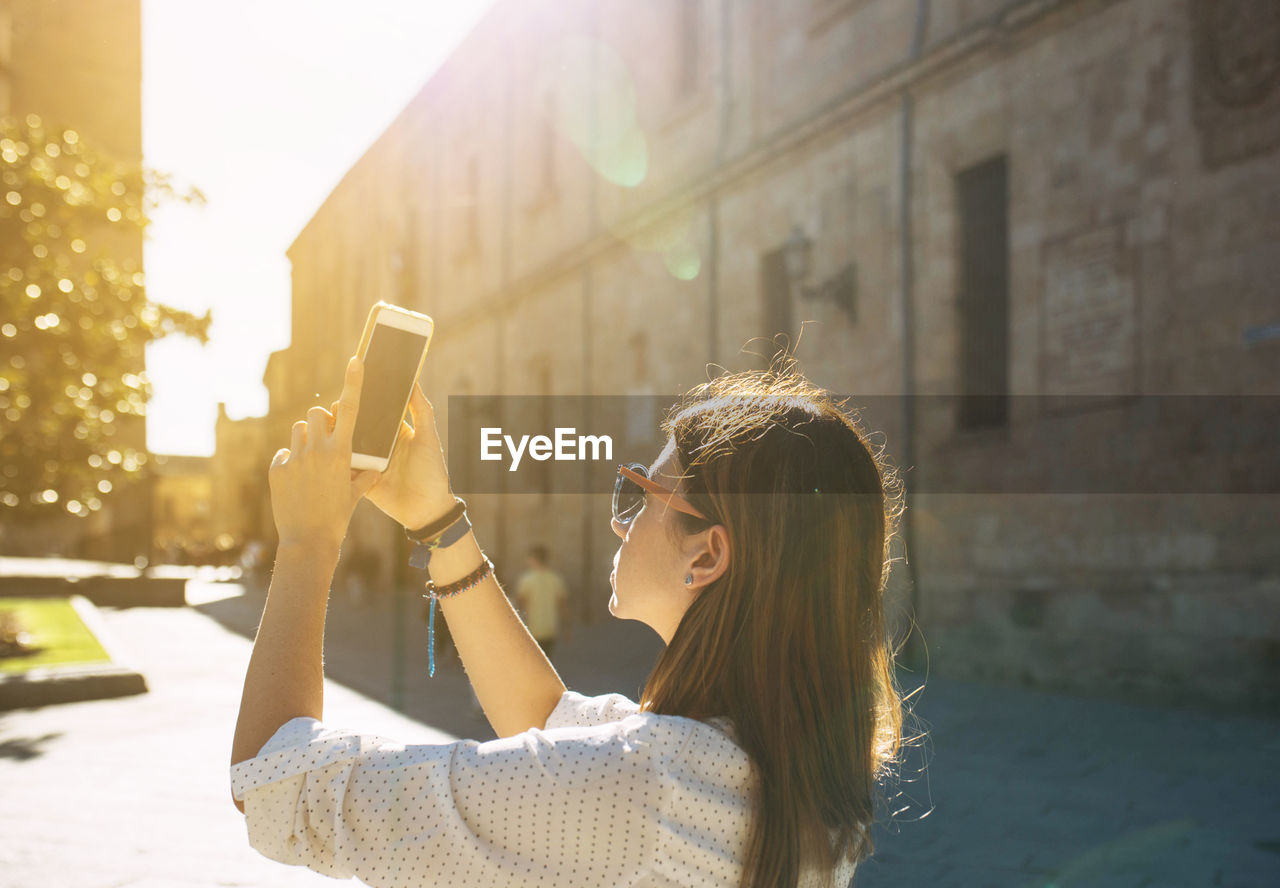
[(688, 581)]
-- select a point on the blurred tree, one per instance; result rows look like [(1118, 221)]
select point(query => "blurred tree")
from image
[(74, 319)]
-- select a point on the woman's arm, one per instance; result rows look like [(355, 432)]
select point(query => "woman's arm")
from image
[(286, 674), (468, 813), (513, 679), (514, 682), (313, 493)]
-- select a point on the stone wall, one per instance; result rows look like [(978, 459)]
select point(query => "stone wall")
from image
[(585, 196)]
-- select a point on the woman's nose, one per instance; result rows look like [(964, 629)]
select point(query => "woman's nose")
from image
[(618, 528)]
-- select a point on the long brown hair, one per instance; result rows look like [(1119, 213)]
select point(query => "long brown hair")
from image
[(790, 642)]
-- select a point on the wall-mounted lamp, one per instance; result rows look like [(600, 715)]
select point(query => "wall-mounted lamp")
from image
[(841, 288)]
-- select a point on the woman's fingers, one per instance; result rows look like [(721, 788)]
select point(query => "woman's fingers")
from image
[(319, 421), (313, 490), (349, 400)]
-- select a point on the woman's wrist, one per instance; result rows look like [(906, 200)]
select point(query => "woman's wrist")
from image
[(307, 546), (430, 511), (308, 552), (451, 564)]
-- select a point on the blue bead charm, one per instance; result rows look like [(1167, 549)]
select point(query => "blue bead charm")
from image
[(448, 591), (431, 639)]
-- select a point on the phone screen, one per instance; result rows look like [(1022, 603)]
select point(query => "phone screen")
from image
[(390, 367)]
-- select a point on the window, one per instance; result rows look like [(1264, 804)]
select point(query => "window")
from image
[(775, 287), (473, 204), (6, 58), (408, 282), (549, 145), (469, 204), (639, 343), (983, 199), (546, 422), (688, 45), (462, 427), (545, 190)]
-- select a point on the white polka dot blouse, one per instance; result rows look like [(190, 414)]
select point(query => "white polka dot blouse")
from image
[(605, 795)]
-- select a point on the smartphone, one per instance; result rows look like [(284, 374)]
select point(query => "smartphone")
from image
[(393, 348)]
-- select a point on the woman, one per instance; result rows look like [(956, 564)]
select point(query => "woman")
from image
[(757, 547)]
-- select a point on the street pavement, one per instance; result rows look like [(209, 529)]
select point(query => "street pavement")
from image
[(1011, 787)]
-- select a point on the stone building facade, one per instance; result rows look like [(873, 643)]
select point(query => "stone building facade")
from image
[(1068, 207), (183, 499), (239, 511)]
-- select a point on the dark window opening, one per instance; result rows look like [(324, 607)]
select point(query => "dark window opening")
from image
[(473, 203), (775, 284), (548, 145), (639, 357), (463, 422), (546, 423), (689, 43), (545, 191), (470, 245), (983, 199)]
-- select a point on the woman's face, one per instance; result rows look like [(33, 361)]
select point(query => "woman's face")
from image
[(649, 569)]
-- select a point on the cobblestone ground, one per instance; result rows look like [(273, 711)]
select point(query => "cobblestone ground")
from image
[(1020, 788), (1025, 788)]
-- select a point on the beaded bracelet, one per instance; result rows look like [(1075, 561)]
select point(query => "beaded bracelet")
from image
[(435, 592)]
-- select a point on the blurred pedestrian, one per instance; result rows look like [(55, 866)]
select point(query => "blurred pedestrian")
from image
[(361, 574), (541, 595)]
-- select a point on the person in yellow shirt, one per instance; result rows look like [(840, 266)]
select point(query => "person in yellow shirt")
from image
[(542, 596)]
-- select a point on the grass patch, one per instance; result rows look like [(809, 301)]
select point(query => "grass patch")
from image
[(55, 628)]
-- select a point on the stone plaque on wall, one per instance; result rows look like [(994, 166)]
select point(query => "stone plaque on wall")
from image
[(1236, 87), (1089, 331)]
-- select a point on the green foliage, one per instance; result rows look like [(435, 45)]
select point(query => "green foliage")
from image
[(74, 320)]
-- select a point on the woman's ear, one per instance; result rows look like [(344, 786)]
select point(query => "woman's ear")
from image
[(711, 555)]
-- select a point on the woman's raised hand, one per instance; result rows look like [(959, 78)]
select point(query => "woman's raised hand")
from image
[(313, 489), (414, 490)]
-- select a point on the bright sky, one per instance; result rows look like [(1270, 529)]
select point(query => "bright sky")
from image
[(263, 105)]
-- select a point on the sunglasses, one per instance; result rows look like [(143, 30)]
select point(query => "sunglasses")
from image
[(629, 492)]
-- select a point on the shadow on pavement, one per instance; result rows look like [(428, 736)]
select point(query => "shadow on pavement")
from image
[(24, 749), (613, 656)]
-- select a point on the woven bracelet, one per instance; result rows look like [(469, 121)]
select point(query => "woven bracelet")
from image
[(434, 592), (462, 585)]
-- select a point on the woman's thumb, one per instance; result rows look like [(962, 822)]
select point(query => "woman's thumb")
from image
[(419, 406)]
